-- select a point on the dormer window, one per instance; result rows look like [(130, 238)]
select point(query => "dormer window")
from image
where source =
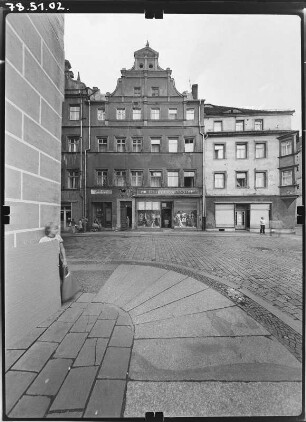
[(239, 125), (258, 124), (141, 65)]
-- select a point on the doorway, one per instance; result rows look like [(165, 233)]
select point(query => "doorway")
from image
[(166, 215), (65, 217), (102, 213), (242, 217), (125, 215)]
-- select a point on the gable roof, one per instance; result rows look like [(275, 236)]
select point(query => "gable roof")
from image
[(215, 110)]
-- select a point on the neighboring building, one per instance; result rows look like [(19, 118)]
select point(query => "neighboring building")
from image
[(137, 153), (250, 163), (299, 171), (34, 92)]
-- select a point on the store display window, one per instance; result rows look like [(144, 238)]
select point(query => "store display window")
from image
[(148, 214), (185, 215)]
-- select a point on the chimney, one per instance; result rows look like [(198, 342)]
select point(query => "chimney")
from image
[(194, 90)]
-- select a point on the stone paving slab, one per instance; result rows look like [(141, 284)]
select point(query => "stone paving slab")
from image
[(47, 322), (70, 315), (228, 359), (56, 332), (75, 390), (94, 309), (87, 355), (84, 324), (108, 312), (17, 383), (50, 379), (36, 357), (86, 297), (122, 337), (202, 301), (212, 399), (65, 415), (79, 305), (30, 407), (27, 341), (115, 363), (102, 328), (71, 345), (124, 319), (222, 322), (106, 399), (100, 349), (170, 278), (11, 356), (185, 288)]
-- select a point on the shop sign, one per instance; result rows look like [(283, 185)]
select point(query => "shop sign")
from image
[(168, 191), (101, 191)]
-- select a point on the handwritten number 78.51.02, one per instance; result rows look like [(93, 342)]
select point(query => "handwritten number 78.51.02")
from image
[(32, 7)]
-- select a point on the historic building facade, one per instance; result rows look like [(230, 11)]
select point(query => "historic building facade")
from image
[(134, 158)]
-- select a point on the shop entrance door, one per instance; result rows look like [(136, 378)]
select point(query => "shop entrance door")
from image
[(125, 215), (242, 217), (65, 217), (166, 215)]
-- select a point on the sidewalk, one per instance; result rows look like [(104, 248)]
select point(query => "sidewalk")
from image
[(151, 339)]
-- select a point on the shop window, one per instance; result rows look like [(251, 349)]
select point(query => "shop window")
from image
[(73, 143), (101, 113), (102, 144), (241, 151), (155, 91), (136, 113), (120, 113), (218, 126), (286, 178), (189, 179), (155, 145), (120, 178), (137, 91), (121, 145), (137, 145), (241, 179), (101, 177), (185, 214), (190, 114), (155, 113), (172, 145), (74, 112), (148, 214), (260, 150), (172, 114), (286, 148), (219, 180), (73, 179), (219, 151), (173, 179), (239, 125), (258, 125), (260, 179), (189, 145), (136, 178), (155, 179)]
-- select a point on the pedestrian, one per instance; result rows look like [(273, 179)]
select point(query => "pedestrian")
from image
[(51, 234), (262, 225), (73, 226), (80, 226), (127, 221), (84, 221)]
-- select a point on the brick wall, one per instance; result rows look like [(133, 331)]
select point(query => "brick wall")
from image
[(34, 90)]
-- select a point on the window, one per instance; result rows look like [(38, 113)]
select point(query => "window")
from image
[(120, 113), (121, 145), (155, 179), (258, 124), (260, 179), (137, 145), (260, 150), (287, 178), (74, 112), (241, 151), (241, 179), (190, 114), (155, 145), (155, 91), (136, 113), (155, 112), (101, 113), (173, 179), (219, 151), (120, 178), (73, 143), (219, 180), (101, 177), (189, 145), (136, 178), (286, 148), (102, 144), (172, 145), (218, 126), (172, 113), (137, 91), (189, 178), (73, 179), (239, 125)]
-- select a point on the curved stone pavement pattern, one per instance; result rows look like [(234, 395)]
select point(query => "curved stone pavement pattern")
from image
[(194, 350)]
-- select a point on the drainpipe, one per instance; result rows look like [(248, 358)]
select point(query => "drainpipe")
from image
[(203, 164), (81, 154), (85, 169)]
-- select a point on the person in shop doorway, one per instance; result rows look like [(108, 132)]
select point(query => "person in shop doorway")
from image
[(262, 225), (73, 226), (84, 221), (80, 226), (127, 221)]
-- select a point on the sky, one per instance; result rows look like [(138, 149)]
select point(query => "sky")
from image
[(249, 61)]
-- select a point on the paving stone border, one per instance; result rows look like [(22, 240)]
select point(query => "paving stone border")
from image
[(283, 333)]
